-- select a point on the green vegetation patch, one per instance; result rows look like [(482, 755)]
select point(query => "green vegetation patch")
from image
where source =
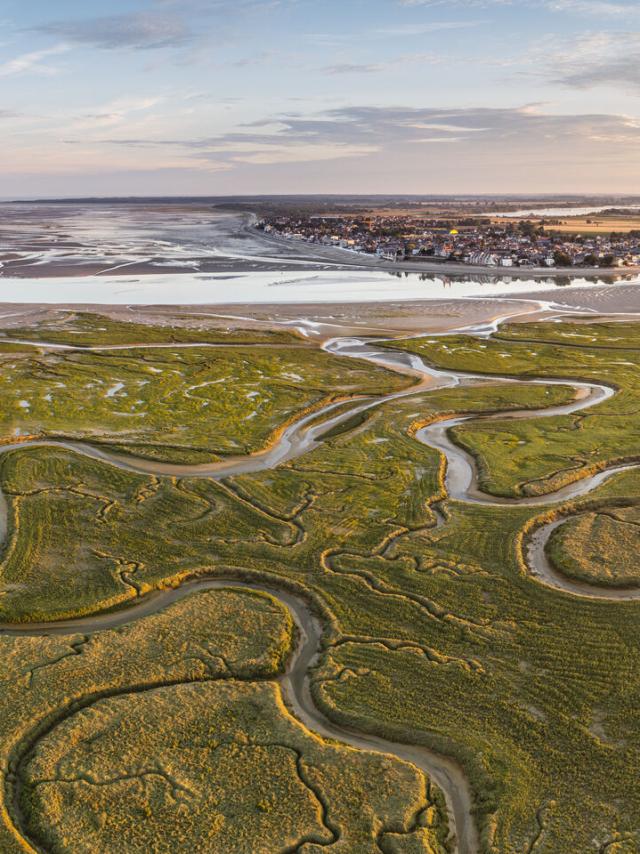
[(536, 456), (87, 329), (157, 736), (85, 536), (182, 405), (617, 336)]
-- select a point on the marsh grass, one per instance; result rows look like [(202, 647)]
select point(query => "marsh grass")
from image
[(435, 632), (183, 405)]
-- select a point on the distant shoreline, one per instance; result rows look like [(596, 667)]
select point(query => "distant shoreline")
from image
[(346, 257), (228, 244)]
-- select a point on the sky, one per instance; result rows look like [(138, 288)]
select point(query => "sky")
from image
[(228, 97)]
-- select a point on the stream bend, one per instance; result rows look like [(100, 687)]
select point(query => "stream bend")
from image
[(296, 689)]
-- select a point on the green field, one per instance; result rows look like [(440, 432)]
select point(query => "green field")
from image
[(87, 329), (190, 404), (545, 453), (173, 727)]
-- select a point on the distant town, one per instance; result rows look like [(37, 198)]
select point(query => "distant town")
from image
[(480, 241)]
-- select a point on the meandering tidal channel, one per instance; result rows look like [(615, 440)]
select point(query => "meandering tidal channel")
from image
[(294, 441)]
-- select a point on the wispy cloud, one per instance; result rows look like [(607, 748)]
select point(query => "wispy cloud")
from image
[(598, 59), (407, 30), (169, 24), (580, 7), (606, 8), (449, 128), (397, 62), (307, 153), (32, 62), (468, 4), (116, 111), (432, 139), (363, 131), (147, 30), (353, 68)]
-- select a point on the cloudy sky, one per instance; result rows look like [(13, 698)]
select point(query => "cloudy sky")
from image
[(131, 97)]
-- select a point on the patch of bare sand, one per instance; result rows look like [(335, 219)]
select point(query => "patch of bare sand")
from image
[(319, 321), (325, 320)]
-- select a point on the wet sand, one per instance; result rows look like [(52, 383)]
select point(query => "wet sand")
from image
[(613, 299), (314, 319), (317, 320)]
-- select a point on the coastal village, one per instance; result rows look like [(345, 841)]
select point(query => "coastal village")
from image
[(475, 240)]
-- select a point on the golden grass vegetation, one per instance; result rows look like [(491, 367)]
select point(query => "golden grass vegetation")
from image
[(86, 536), (164, 735), (436, 634), (182, 405), (221, 767), (599, 547)]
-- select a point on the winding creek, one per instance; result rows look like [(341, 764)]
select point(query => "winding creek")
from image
[(296, 690), (297, 439)]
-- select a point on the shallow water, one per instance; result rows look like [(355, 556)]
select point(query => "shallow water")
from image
[(563, 212), (267, 287)]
